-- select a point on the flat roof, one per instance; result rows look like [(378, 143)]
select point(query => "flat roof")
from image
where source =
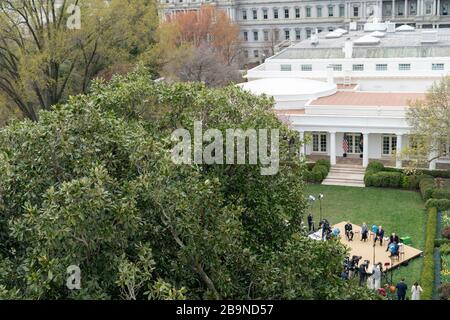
[(358, 98), (392, 45)]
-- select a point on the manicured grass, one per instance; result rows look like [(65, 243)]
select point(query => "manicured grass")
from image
[(397, 211)]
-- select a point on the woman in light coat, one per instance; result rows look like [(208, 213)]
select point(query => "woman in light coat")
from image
[(416, 290)]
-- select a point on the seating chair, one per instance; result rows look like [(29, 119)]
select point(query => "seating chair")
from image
[(401, 250)]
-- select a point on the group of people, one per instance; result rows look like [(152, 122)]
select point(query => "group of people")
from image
[(373, 279), (378, 231), (401, 288), (352, 266)]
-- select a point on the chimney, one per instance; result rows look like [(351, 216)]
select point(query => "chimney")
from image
[(348, 49)]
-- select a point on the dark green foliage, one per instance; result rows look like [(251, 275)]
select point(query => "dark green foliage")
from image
[(324, 162), (427, 187), (439, 204), (441, 194), (411, 182), (92, 184), (319, 171), (383, 179), (440, 242), (427, 277), (445, 174), (375, 166)]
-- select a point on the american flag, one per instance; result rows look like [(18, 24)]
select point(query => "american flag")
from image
[(345, 144)]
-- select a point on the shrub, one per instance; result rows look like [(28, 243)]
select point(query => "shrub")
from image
[(427, 276), (427, 187), (441, 194), (310, 165), (444, 291), (319, 172), (441, 242), (411, 182), (445, 248), (437, 173), (375, 166), (392, 169), (383, 179), (446, 232), (439, 204), (324, 162)]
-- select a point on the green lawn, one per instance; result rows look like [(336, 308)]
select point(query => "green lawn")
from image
[(397, 211)]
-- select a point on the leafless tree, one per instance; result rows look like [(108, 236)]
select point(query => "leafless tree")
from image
[(202, 64)]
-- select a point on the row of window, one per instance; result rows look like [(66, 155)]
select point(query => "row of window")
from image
[(275, 34), (360, 67), (287, 13), (320, 144), (256, 53)]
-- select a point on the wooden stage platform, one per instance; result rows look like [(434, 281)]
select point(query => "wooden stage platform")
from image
[(365, 249)]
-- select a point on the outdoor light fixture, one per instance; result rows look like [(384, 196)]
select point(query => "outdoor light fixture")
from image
[(311, 198), (320, 204)]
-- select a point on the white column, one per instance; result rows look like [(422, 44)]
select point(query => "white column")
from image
[(398, 161), (433, 156), (393, 9), (406, 9), (333, 148), (302, 147), (438, 8), (365, 149), (432, 165)]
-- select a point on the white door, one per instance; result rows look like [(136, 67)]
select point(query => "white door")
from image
[(354, 140)]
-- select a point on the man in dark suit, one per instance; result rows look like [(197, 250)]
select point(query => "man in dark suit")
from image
[(401, 289), (393, 239), (349, 231), (379, 235), (310, 222)]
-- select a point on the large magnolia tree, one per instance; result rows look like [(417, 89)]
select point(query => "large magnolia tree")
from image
[(51, 49), (429, 119), (92, 184)]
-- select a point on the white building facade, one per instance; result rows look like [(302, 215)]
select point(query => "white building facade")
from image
[(268, 25), (368, 79)]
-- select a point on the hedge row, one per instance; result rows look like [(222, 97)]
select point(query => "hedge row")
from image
[(439, 204), (384, 179), (427, 276), (318, 171), (377, 175)]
